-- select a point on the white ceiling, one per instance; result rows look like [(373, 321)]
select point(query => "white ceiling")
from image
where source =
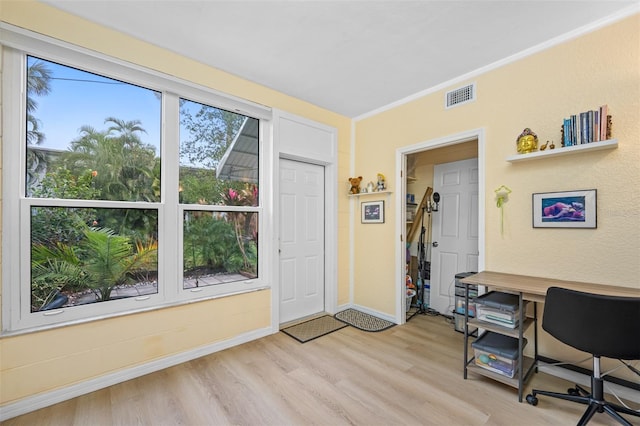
[(351, 57)]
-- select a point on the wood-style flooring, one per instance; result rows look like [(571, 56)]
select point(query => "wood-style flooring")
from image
[(406, 375)]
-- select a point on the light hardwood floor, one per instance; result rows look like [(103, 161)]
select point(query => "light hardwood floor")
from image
[(406, 375)]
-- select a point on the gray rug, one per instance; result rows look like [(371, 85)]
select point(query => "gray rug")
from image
[(314, 328), (363, 321)]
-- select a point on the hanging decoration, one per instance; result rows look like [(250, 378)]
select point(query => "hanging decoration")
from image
[(502, 196)]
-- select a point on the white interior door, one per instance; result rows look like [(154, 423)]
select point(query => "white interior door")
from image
[(301, 240), (455, 229)]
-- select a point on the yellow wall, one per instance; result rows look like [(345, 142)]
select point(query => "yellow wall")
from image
[(44, 361), (602, 67)]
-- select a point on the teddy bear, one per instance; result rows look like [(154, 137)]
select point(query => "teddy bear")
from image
[(355, 185)]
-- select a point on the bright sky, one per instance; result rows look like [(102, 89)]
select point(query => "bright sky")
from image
[(78, 98)]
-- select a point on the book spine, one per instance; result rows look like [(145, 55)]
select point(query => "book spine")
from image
[(604, 112), (583, 128)]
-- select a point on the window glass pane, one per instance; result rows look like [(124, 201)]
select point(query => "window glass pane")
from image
[(89, 136), (88, 255), (219, 152), (219, 247)]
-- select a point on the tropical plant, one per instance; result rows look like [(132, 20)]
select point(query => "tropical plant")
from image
[(244, 223), (100, 262), (125, 169), (211, 245), (53, 268), (200, 186), (124, 164), (52, 225)]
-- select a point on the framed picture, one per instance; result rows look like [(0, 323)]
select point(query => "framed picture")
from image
[(569, 209), (373, 212)]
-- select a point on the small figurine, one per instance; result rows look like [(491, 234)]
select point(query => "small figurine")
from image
[(552, 145), (381, 182), (527, 141), (543, 147)]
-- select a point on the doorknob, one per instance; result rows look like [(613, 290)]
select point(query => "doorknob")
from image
[(435, 244)]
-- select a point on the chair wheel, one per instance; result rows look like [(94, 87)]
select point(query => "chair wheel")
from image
[(533, 400), (573, 391)]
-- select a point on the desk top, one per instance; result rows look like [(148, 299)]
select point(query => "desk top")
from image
[(535, 288)]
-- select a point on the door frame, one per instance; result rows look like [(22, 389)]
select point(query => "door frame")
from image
[(401, 230), (319, 148)]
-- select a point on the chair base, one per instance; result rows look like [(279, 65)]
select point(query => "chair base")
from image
[(595, 404)]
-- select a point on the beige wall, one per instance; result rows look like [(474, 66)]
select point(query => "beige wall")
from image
[(47, 360), (602, 67)]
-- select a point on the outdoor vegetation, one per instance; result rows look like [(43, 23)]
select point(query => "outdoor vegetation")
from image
[(95, 251)]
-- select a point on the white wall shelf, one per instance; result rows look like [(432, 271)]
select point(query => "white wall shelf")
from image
[(369, 193), (593, 146)]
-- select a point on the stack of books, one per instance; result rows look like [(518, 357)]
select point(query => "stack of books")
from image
[(587, 127)]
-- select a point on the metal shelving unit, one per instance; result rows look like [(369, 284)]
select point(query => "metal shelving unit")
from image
[(526, 365)]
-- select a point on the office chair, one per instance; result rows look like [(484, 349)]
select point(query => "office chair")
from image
[(604, 326)]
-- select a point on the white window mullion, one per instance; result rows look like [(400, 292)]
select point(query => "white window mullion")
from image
[(170, 229)]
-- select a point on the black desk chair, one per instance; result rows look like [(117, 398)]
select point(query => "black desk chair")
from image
[(604, 326)]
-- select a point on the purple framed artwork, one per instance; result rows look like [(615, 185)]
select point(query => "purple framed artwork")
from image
[(568, 209)]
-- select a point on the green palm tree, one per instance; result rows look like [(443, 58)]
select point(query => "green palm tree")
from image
[(124, 165), (137, 173), (38, 84), (127, 131)]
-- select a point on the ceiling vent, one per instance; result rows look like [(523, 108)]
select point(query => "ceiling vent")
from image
[(460, 96)]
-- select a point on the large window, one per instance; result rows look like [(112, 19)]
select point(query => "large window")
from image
[(101, 162)]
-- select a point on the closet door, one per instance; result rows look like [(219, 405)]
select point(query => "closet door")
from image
[(455, 229)]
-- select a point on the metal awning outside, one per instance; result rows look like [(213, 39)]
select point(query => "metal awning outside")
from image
[(240, 162)]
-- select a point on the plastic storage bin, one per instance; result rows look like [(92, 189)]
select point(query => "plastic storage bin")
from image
[(498, 308), (498, 353), (459, 309), (459, 324)]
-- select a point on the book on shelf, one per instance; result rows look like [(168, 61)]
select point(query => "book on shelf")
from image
[(604, 122), (587, 127)]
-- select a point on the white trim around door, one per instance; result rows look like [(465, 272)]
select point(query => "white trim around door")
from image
[(300, 139), (401, 157)]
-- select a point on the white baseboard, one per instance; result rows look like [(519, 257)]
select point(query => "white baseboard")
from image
[(585, 381), (46, 399), (375, 313)]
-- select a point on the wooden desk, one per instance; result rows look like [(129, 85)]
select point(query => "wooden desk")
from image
[(535, 288), (527, 288)]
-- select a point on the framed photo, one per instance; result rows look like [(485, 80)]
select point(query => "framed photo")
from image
[(373, 212), (569, 209)]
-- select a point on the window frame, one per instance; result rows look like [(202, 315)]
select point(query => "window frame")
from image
[(16, 290)]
